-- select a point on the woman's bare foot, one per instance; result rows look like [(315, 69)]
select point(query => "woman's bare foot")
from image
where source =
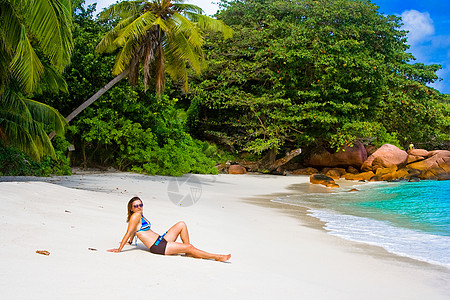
[(223, 257)]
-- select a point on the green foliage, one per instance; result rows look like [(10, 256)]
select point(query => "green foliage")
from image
[(296, 74), (176, 158), (368, 132), (14, 162), (157, 37), (35, 46), (126, 128), (34, 34), (152, 141), (24, 124)]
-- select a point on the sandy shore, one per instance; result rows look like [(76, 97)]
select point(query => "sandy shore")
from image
[(277, 252)]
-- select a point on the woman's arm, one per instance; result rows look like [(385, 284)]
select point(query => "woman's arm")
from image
[(131, 230), (130, 241)]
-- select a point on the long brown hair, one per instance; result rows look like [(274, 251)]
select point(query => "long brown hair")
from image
[(129, 207)]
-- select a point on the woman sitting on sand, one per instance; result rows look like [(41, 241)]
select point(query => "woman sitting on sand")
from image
[(164, 244)]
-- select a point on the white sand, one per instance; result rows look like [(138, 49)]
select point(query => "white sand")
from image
[(274, 254)]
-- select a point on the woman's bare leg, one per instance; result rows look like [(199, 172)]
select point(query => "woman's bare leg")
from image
[(179, 229), (177, 248)]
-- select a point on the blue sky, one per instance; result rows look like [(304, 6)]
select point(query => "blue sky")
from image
[(427, 20), (428, 23)]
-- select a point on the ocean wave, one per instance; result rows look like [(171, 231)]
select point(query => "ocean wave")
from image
[(414, 244)]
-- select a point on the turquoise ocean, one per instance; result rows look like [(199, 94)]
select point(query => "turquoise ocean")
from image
[(409, 219)]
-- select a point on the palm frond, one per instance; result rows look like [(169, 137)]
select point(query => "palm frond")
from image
[(22, 121), (107, 44), (137, 29), (162, 24), (11, 28), (179, 46), (125, 55), (26, 66), (176, 68), (45, 114), (11, 102), (121, 10), (189, 29), (51, 80), (13, 134), (207, 23), (49, 21), (182, 8)]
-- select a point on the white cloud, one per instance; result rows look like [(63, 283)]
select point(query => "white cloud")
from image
[(420, 26), (443, 85)]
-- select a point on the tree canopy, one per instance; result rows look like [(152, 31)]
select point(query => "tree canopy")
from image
[(307, 73), (160, 36)]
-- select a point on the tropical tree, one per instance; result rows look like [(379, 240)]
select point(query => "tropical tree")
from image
[(155, 37), (35, 46), (310, 73)]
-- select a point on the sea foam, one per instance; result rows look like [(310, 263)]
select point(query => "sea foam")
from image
[(418, 245)]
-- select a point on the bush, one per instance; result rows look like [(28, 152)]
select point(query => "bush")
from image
[(13, 162)]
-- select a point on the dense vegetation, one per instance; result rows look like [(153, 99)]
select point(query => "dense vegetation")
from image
[(126, 128), (295, 74), (35, 46), (308, 73)]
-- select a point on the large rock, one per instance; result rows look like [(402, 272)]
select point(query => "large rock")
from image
[(386, 156), (435, 167), (349, 156), (334, 173), (352, 170), (324, 180), (444, 153), (360, 176), (418, 152), (236, 169), (305, 171), (414, 158)]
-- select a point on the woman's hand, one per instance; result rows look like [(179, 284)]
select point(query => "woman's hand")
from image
[(113, 250)]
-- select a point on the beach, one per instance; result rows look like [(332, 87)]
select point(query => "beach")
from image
[(277, 250)]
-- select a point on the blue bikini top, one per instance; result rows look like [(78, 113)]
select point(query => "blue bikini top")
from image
[(145, 224)]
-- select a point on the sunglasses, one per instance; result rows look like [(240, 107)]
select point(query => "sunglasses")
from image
[(138, 205)]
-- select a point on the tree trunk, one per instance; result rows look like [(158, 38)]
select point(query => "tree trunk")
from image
[(282, 161), (97, 95), (268, 162), (93, 98)]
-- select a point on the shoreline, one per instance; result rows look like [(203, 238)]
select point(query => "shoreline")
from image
[(302, 212), (277, 251)]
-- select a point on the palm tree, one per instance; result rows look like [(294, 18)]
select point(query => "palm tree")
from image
[(27, 25), (49, 23), (154, 37), (23, 122)]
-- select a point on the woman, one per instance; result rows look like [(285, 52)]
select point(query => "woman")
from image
[(138, 225)]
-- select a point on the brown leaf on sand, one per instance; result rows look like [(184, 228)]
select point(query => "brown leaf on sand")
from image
[(92, 249), (67, 211), (43, 252)]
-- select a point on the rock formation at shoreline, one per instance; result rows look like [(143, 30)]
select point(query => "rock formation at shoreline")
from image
[(349, 156), (390, 163), (387, 163)]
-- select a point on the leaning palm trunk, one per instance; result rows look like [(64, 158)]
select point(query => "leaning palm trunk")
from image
[(150, 34), (96, 95), (91, 100)]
